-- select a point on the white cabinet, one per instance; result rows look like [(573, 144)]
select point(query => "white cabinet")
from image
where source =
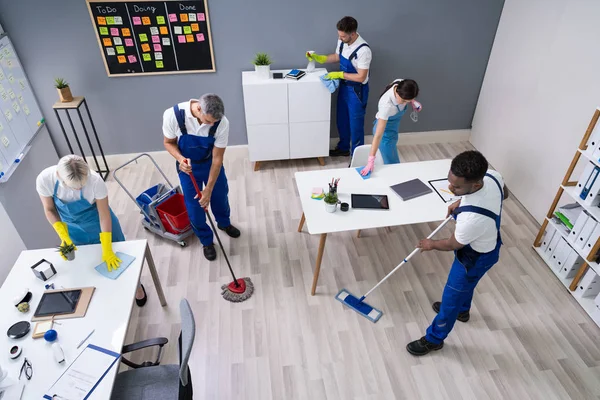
[(286, 119)]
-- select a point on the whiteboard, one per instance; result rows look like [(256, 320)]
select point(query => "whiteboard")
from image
[(20, 115)]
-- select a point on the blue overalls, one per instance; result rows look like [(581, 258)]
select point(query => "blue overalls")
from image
[(468, 268), (389, 141), (199, 150), (351, 106), (83, 220)]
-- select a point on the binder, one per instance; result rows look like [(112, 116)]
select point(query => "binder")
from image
[(589, 245), (585, 233), (593, 197), (552, 246), (571, 265), (589, 286), (588, 185), (578, 226), (560, 254), (594, 141), (597, 300), (587, 171), (548, 235)]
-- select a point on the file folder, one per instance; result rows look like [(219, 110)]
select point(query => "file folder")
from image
[(579, 224), (589, 286), (552, 246), (587, 171), (589, 245), (548, 235), (585, 233), (588, 185), (571, 265), (560, 254)]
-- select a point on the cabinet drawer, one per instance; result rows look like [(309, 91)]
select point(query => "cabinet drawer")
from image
[(309, 139), (265, 104), (268, 142), (309, 102)]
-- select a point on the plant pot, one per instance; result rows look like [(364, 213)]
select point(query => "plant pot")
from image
[(70, 256), (263, 71), (331, 208), (65, 95)]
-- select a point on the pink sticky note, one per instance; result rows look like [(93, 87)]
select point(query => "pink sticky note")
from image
[(200, 37), (132, 59), (114, 31), (128, 42), (157, 47), (173, 17), (181, 38), (201, 17), (155, 39), (137, 21)]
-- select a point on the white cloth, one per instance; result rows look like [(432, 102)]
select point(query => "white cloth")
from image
[(94, 189), (171, 128), (363, 57), (388, 106), (475, 229)]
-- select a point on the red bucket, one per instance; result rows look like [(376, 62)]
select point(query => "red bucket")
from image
[(173, 214)]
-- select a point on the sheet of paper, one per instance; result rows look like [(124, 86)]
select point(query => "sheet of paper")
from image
[(441, 188)]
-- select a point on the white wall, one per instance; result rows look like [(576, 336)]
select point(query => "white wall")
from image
[(541, 87), (11, 244)]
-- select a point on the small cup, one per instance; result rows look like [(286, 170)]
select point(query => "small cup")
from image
[(14, 352), (344, 207)]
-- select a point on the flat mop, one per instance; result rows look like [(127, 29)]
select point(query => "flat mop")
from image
[(240, 289), (358, 304)]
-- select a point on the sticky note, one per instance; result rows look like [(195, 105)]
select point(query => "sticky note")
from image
[(189, 38), (103, 30), (146, 20), (22, 84), (192, 17), (181, 39), (143, 37), (158, 56), (132, 59), (16, 107), (145, 47), (164, 30), (157, 47), (200, 37), (107, 41), (21, 99), (117, 41), (6, 52), (12, 94), (122, 59), (166, 42), (155, 39), (128, 42), (147, 57), (11, 79), (201, 17), (195, 27), (137, 20), (4, 96), (154, 30), (183, 17), (160, 20), (8, 115), (118, 21), (110, 51), (173, 17), (9, 63), (187, 30), (114, 31), (159, 64), (178, 30), (110, 20), (120, 50), (26, 109), (126, 32), (2, 76), (101, 21)]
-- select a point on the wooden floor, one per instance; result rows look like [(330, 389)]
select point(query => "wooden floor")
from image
[(527, 337)]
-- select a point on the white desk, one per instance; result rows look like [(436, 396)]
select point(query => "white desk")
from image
[(426, 208), (108, 313)]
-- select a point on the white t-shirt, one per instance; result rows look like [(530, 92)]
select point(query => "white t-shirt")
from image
[(94, 189), (171, 128), (363, 57), (475, 229), (388, 106)]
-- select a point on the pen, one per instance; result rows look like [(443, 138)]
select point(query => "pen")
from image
[(445, 191), (86, 338)]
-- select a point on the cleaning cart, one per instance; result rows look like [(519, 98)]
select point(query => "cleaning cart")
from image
[(162, 207)]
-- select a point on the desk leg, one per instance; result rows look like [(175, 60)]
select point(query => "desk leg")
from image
[(318, 265), (321, 161), (155, 278), (301, 223), (256, 165)]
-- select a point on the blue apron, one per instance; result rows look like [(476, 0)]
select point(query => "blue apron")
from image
[(468, 268), (351, 106), (388, 147), (83, 220), (199, 150)]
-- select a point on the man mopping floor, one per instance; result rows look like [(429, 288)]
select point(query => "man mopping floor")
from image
[(476, 242)]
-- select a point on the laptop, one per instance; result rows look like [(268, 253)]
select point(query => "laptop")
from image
[(411, 189)]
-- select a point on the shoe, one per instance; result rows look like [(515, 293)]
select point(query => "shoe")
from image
[(232, 231), (462, 317), (339, 153), (141, 302), (210, 253), (422, 346)]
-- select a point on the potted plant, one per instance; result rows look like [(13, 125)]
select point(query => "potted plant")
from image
[(64, 92), (262, 65), (67, 250), (331, 200)]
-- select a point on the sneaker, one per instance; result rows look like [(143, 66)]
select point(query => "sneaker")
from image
[(422, 346), (462, 317), (339, 153), (232, 231), (210, 253)]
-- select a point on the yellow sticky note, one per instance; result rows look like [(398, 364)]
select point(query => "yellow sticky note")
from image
[(147, 57), (103, 30), (164, 30), (146, 20), (126, 32), (195, 27), (183, 17), (120, 50), (159, 64), (101, 21), (107, 42), (187, 30), (110, 20), (189, 38), (145, 47), (143, 37), (160, 20), (122, 59)]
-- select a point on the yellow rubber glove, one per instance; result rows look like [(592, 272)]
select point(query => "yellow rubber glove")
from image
[(62, 230), (335, 75), (321, 59), (108, 256)]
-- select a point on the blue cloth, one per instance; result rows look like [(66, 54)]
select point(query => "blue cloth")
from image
[(199, 150), (389, 141), (468, 268), (367, 176), (83, 220), (330, 84), (114, 274), (351, 106)]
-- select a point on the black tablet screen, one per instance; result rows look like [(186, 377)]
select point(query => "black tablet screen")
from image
[(370, 201), (58, 303)]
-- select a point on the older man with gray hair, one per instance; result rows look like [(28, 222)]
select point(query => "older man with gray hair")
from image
[(195, 134)]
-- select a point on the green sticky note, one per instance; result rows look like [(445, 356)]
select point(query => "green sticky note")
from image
[(103, 30), (110, 20), (120, 50), (159, 64), (187, 30), (160, 20), (147, 57), (143, 37)]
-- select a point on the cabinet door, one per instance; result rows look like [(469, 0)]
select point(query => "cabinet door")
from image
[(309, 102), (309, 139), (266, 103), (268, 142)]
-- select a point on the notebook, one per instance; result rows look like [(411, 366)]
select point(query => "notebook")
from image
[(411, 189)]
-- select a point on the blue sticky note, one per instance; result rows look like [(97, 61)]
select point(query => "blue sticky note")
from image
[(126, 261), (367, 176)]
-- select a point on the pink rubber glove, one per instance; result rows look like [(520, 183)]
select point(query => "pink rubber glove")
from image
[(369, 167)]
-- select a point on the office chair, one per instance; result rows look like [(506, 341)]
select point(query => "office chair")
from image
[(151, 381), (361, 156)]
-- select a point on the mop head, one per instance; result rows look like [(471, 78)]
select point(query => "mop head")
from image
[(370, 313), (238, 293)]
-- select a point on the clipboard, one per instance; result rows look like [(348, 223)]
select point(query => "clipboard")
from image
[(446, 195), (82, 305)]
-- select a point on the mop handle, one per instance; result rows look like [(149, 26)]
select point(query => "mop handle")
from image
[(415, 251)]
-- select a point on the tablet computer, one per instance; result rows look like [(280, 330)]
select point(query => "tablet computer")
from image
[(56, 303), (370, 201)]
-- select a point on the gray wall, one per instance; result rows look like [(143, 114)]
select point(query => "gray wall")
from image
[(442, 44)]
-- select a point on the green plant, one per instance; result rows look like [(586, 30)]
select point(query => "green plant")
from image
[(60, 83), (65, 249), (331, 198), (262, 59)]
